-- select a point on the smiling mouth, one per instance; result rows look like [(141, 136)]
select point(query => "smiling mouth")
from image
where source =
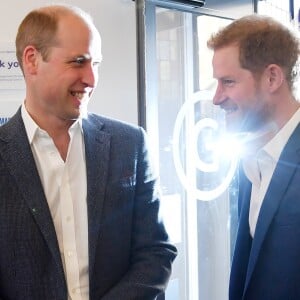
[(78, 95), (229, 110)]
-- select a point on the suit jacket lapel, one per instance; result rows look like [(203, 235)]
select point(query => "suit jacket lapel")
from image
[(97, 148), (16, 151), (283, 173)]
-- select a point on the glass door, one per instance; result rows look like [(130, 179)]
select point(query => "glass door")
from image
[(186, 129)]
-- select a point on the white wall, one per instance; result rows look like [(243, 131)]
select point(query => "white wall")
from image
[(116, 94)]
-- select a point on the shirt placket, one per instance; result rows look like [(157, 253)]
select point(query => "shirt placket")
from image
[(69, 238)]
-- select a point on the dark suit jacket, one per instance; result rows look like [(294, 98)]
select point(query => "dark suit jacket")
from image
[(129, 256), (268, 267)]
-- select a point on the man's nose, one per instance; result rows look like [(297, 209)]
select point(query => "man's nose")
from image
[(219, 95), (90, 75)]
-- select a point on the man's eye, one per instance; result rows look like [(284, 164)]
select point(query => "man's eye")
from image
[(78, 61), (228, 82)]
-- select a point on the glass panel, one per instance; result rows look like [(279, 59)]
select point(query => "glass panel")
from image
[(183, 125), (279, 9)]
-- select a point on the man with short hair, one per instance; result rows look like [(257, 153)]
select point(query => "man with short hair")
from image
[(255, 63), (79, 200)]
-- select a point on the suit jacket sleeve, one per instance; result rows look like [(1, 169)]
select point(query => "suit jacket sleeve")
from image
[(151, 255)]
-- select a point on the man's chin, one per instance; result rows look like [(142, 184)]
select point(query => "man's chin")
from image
[(234, 128), (234, 122), (242, 125)]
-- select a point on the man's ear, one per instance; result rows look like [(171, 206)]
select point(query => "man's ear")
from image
[(275, 77), (30, 60)]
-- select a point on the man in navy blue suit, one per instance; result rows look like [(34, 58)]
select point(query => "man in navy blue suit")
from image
[(79, 199), (255, 65)]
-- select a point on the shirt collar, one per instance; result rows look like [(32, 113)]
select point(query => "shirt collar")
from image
[(32, 129), (30, 126), (275, 146), (272, 149)]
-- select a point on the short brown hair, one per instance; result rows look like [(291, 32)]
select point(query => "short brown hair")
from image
[(262, 41), (39, 28)]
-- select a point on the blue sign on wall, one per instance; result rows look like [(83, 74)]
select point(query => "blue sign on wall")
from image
[(3, 120)]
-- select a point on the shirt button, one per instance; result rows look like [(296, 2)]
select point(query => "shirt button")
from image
[(68, 219), (69, 253)]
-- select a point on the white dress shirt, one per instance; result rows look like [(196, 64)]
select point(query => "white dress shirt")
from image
[(260, 167), (65, 187)]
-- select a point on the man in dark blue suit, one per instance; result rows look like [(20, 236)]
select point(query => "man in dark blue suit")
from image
[(254, 62), (79, 200)]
